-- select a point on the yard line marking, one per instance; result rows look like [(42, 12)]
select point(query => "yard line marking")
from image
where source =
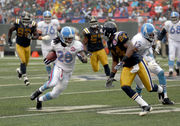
[(72, 93)]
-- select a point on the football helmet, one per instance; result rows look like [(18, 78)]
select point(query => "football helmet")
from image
[(148, 31), (47, 16), (26, 18), (109, 28), (67, 35), (174, 17), (93, 22), (150, 21)]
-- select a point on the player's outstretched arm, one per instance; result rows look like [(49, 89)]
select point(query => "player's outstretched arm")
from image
[(82, 57)]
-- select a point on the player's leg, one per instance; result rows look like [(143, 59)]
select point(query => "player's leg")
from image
[(45, 50), (178, 58), (126, 80), (94, 61), (21, 51), (156, 69), (104, 61), (139, 85), (172, 52)]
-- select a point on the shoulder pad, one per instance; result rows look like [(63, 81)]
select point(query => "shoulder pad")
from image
[(33, 23), (86, 30), (17, 21)]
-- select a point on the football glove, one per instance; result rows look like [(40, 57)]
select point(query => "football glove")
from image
[(46, 37), (135, 68), (109, 82), (46, 61), (118, 66), (81, 58), (9, 42)]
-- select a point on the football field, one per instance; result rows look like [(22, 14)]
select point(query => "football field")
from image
[(85, 102)]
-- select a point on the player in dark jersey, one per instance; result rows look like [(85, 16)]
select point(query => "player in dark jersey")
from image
[(124, 55), (93, 44), (25, 31)]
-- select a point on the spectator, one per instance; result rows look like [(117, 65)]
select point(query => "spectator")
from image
[(2, 43), (135, 3)]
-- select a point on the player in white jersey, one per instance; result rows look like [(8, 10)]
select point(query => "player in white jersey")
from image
[(172, 27), (144, 41), (48, 30), (66, 49)]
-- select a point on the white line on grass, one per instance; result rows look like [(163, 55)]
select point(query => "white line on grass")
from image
[(72, 93)]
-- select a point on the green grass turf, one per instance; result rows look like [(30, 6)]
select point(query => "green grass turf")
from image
[(15, 102)]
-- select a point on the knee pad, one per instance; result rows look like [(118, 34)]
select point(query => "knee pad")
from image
[(106, 70), (23, 68), (161, 77), (128, 91)]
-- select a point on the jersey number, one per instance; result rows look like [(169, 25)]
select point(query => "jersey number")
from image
[(50, 30), (175, 30), (65, 57)]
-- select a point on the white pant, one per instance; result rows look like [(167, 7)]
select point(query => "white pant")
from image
[(59, 81), (174, 50)]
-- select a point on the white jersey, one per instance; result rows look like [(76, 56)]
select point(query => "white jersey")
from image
[(143, 45), (48, 29), (173, 30), (66, 56)]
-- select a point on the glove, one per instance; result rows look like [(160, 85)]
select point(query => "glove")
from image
[(47, 37), (82, 59), (118, 66), (157, 50), (109, 82), (9, 42), (135, 68), (56, 41), (46, 61)]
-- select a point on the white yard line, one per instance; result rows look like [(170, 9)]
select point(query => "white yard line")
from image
[(83, 92)]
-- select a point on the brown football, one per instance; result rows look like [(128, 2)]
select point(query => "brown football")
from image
[(51, 56)]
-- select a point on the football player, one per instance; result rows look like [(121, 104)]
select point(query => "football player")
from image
[(48, 30), (132, 64), (93, 45), (66, 49), (25, 31), (172, 27), (145, 40)]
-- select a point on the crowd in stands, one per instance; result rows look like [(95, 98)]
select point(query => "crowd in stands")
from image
[(68, 10)]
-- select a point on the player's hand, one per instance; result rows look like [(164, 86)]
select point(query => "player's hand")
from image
[(109, 82), (135, 68), (46, 37), (118, 66), (157, 50), (56, 41), (46, 61), (9, 42)]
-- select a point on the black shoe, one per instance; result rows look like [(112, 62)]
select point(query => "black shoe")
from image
[(177, 72), (161, 96), (19, 73), (170, 74), (26, 81), (35, 94), (39, 104), (167, 101), (145, 110)]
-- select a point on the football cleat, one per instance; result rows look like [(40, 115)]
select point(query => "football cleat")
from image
[(161, 96), (26, 81), (35, 94), (170, 74), (38, 104), (145, 110), (167, 101), (19, 73), (177, 72)]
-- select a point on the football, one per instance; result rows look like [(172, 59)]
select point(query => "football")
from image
[(51, 56)]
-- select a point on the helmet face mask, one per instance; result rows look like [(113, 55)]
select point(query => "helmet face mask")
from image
[(47, 16), (67, 35), (26, 19), (93, 23), (174, 17), (148, 31)]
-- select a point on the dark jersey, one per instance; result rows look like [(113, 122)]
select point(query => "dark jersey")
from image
[(94, 40), (118, 51), (23, 32)]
